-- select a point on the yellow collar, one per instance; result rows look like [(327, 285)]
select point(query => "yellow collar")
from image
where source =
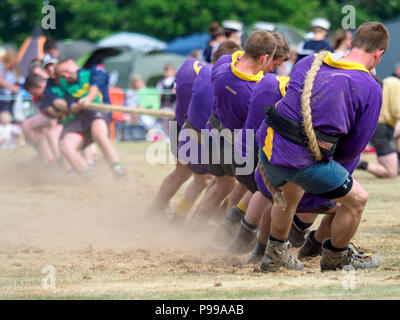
[(339, 64), (282, 84), (241, 75), (196, 67)]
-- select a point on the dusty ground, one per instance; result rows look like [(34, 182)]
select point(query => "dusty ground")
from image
[(95, 236)]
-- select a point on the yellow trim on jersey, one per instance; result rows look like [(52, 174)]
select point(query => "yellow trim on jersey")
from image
[(242, 75), (82, 91), (268, 143), (340, 64), (196, 67), (282, 84)]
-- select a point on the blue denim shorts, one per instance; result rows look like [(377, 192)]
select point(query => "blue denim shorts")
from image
[(322, 178)]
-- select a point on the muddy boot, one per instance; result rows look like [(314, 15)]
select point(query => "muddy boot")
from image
[(228, 227), (297, 236), (277, 255), (332, 260), (243, 240), (310, 248), (257, 254)]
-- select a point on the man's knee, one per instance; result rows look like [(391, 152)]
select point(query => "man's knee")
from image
[(61, 105), (360, 202)]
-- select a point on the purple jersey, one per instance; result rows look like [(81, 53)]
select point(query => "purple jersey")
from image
[(309, 201), (232, 92), (184, 81), (345, 102), (267, 92), (202, 98)]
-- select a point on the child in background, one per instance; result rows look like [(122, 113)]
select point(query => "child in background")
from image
[(9, 133)]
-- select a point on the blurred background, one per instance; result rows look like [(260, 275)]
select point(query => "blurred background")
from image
[(142, 43)]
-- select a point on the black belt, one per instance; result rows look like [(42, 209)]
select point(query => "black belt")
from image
[(293, 131)]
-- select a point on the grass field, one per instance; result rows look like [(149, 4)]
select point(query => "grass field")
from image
[(102, 246)]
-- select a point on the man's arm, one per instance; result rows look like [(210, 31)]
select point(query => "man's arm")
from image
[(351, 145)]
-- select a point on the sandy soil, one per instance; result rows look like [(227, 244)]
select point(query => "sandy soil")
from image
[(102, 245)]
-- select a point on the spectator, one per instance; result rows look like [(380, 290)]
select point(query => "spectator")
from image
[(131, 97), (167, 84), (320, 27), (10, 79), (233, 31), (217, 35), (285, 68), (341, 42), (387, 131), (50, 47), (9, 133)]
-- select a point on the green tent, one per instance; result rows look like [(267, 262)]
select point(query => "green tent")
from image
[(149, 66)]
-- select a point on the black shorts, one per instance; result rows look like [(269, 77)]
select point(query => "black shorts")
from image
[(174, 142), (221, 168), (248, 180), (383, 140), (81, 125)]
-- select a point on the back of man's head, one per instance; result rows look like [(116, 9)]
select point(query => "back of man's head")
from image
[(260, 43), (32, 81), (282, 48), (226, 47), (371, 36)]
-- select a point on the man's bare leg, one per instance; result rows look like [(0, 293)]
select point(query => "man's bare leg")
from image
[(99, 131), (170, 186), (212, 199), (191, 194), (237, 193), (387, 166), (70, 146)]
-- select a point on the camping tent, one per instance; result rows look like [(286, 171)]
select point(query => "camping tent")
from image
[(292, 35), (32, 48), (135, 41), (392, 55), (73, 49), (121, 63), (149, 66), (185, 45)]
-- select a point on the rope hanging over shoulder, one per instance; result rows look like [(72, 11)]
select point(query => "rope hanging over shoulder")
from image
[(305, 105)]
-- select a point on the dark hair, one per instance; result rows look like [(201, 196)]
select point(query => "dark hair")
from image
[(260, 42), (32, 81), (226, 47), (49, 45), (371, 36), (217, 33), (282, 48), (339, 36), (213, 26)]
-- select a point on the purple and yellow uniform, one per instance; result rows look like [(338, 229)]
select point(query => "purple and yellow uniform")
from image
[(232, 91), (184, 82), (345, 103), (267, 92), (198, 114)]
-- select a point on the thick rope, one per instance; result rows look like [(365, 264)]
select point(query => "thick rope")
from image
[(137, 111), (277, 196), (305, 105)]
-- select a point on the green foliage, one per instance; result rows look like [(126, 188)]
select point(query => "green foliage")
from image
[(167, 19)]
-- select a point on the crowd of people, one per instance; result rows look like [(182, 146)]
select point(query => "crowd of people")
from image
[(301, 137)]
